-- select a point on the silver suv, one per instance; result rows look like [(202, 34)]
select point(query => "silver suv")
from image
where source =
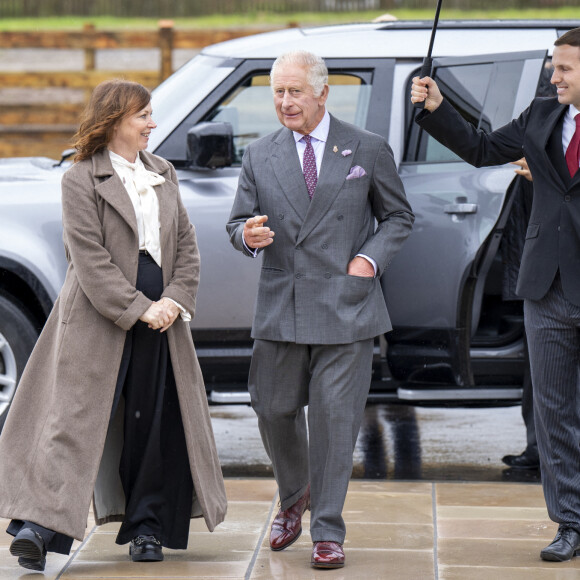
[(456, 336)]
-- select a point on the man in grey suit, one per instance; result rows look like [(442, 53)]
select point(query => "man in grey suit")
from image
[(319, 184), (548, 134)]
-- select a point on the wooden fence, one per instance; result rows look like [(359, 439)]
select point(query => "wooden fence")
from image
[(39, 129)]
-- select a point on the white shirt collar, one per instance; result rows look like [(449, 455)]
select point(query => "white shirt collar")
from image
[(320, 132), (120, 160), (572, 112), (141, 176)]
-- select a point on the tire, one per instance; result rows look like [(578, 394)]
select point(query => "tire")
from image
[(18, 336)]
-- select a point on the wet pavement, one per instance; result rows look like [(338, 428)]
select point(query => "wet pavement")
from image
[(398, 442), (429, 500), (412, 530)]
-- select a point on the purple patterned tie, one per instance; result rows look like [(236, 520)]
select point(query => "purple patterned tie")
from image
[(309, 166)]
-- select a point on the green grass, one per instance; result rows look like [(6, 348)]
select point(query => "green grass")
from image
[(273, 19)]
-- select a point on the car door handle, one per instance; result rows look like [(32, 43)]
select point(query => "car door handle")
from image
[(457, 208)]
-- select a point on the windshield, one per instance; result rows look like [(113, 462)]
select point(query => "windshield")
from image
[(176, 97)]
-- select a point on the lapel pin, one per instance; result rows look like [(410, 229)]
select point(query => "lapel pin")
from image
[(335, 149)]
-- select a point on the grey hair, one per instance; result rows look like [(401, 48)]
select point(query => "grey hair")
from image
[(315, 66)]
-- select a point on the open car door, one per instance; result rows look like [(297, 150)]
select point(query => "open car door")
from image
[(436, 286)]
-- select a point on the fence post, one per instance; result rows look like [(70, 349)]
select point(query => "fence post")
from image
[(89, 36), (166, 47), (89, 41)]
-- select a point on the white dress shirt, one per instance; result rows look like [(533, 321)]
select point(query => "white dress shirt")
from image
[(139, 183), (569, 126), (318, 138)]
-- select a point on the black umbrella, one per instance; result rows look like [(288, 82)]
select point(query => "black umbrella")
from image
[(428, 62)]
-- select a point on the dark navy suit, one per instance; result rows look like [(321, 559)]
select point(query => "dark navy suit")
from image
[(549, 279)]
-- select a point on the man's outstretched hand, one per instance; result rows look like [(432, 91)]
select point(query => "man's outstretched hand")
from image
[(256, 235)]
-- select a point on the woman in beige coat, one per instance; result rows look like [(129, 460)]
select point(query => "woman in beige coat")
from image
[(112, 406)]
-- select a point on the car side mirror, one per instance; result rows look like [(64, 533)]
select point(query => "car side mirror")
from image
[(210, 145)]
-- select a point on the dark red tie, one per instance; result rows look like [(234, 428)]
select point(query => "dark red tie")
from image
[(573, 151), (309, 166)]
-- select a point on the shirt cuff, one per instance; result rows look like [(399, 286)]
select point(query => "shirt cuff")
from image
[(252, 251), (372, 262), (185, 315)]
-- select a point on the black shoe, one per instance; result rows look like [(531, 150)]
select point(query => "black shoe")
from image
[(145, 549), (28, 545), (565, 545), (526, 460)]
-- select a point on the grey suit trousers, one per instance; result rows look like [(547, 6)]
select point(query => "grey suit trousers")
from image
[(334, 381), (553, 331)]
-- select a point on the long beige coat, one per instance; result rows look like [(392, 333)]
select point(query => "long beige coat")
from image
[(54, 442)]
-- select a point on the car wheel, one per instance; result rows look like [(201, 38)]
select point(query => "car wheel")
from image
[(17, 338)]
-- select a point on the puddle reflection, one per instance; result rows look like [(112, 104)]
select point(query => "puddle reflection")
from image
[(403, 433), (390, 447), (397, 442)]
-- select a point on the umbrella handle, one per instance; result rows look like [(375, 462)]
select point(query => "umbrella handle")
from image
[(426, 70), (427, 67)]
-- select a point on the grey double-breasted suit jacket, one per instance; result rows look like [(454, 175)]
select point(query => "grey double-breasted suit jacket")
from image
[(305, 295)]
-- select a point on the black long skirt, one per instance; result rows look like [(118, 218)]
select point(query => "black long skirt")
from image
[(154, 467)]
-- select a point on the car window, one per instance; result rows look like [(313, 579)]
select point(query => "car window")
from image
[(483, 93), (250, 110), (175, 97)]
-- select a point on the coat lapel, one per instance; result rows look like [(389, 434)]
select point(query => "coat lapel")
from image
[(111, 188), (333, 171), (286, 165), (166, 194)]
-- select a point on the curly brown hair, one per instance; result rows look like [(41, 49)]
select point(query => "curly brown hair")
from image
[(110, 102)]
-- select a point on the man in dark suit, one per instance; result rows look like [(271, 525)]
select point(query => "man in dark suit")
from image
[(320, 184), (547, 133)]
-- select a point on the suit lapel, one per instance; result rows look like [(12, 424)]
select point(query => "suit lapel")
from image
[(333, 171), (551, 140), (286, 165)]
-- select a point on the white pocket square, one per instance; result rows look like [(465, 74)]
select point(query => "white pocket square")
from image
[(356, 172)]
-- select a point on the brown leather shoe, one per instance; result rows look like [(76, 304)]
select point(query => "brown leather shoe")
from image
[(287, 525), (327, 555)]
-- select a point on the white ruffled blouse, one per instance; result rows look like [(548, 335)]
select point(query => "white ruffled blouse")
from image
[(139, 183)]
